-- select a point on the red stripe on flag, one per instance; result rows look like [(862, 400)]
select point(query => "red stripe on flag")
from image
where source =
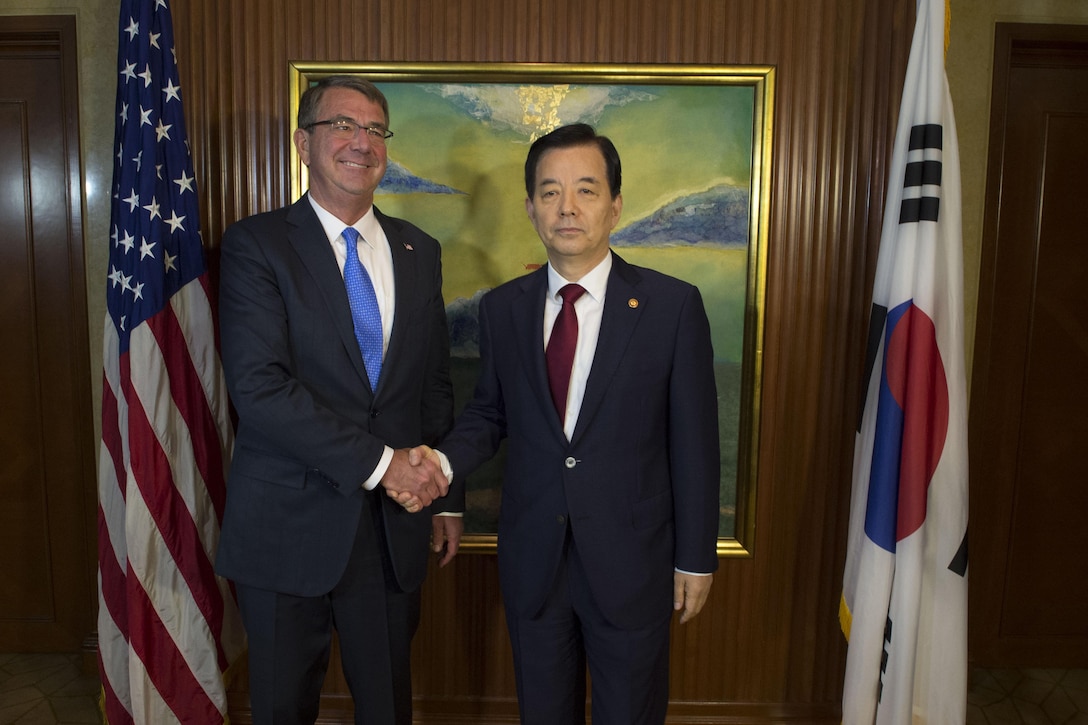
[(188, 396), (111, 436), (113, 579), (164, 663), (152, 474), (111, 576), (112, 583)]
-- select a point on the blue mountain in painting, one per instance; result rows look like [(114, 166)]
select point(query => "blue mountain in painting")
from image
[(399, 180), (717, 217)]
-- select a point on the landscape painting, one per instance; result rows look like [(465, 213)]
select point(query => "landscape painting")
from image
[(695, 149)]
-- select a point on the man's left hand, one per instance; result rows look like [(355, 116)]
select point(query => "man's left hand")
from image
[(689, 593), (446, 536)]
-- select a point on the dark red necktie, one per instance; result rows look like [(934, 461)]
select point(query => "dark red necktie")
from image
[(561, 344)]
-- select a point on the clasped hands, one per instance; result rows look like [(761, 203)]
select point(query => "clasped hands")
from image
[(415, 478)]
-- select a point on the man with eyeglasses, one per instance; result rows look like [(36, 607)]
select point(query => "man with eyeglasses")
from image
[(336, 354)]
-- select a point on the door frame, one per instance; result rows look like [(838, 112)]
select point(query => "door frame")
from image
[(71, 507)]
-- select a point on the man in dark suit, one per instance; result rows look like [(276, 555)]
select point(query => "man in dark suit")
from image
[(609, 516), (330, 393)]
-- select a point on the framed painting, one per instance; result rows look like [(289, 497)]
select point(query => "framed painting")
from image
[(695, 142)]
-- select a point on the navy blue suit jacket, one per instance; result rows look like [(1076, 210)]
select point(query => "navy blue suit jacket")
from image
[(638, 482), (310, 430)]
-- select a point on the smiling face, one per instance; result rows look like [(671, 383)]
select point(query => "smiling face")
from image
[(344, 173), (572, 208)]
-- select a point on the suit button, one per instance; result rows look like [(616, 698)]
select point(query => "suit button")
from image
[(560, 519), (571, 462), (375, 413)]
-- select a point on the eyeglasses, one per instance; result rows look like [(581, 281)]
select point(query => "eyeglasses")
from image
[(346, 129)]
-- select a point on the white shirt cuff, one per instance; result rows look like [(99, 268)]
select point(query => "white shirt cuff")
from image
[(446, 468), (379, 471)]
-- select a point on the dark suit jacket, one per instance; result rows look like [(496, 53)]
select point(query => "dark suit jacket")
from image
[(638, 482), (310, 430)]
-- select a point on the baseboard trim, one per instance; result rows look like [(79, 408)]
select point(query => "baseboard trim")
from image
[(338, 710)]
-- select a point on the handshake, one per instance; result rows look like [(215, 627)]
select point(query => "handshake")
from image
[(415, 478)]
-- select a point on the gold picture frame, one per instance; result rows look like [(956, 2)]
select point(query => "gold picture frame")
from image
[(696, 148)]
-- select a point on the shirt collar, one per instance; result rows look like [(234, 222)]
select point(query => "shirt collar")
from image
[(595, 282), (367, 225)]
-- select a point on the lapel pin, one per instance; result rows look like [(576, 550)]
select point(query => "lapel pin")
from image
[(632, 303), (408, 247)]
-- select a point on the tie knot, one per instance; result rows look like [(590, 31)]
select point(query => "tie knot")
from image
[(351, 236), (571, 292)]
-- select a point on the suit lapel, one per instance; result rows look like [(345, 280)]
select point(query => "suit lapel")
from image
[(527, 316), (307, 238), (405, 272), (623, 306)]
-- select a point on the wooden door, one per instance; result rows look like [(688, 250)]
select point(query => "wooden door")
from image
[(1029, 394), (47, 490)]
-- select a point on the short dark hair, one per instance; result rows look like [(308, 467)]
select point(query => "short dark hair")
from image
[(311, 99), (575, 134)]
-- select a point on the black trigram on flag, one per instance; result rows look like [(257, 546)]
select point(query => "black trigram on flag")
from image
[(923, 169)]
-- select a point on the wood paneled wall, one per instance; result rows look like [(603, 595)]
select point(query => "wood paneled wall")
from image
[(768, 646)]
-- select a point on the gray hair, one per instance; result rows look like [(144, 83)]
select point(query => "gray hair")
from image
[(311, 99)]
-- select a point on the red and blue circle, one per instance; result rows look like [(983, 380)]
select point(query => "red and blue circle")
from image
[(911, 427)]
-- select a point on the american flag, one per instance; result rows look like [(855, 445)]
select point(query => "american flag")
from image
[(904, 601), (168, 627)]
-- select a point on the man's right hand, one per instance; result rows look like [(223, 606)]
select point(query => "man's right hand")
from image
[(415, 480)]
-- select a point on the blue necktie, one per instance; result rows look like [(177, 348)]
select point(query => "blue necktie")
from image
[(364, 309)]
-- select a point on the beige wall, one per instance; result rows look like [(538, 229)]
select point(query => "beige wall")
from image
[(969, 64), (970, 56)]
